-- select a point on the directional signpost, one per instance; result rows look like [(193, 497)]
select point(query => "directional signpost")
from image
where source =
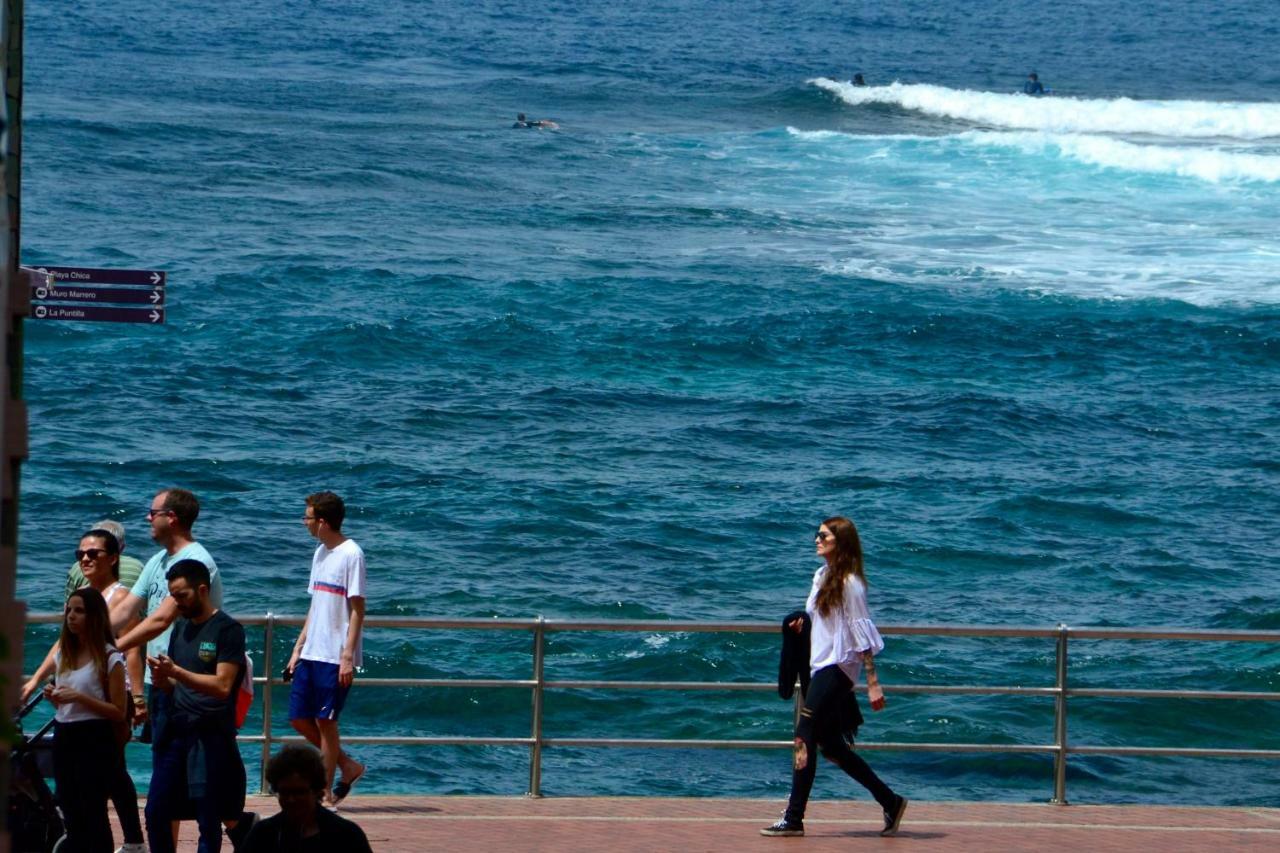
[(89, 293)]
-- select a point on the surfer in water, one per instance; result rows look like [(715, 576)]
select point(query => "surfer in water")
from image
[(537, 123), (858, 81), (1033, 86)]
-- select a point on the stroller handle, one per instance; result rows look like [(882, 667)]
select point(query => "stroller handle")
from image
[(30, 705)]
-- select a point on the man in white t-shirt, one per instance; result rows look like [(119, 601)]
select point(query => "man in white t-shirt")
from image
[(328, 651)]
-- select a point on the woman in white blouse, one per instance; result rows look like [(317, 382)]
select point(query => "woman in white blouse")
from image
[(89, 693), (842, 638)]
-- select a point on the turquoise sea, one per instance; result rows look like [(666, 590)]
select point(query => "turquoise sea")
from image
[(622, 369)]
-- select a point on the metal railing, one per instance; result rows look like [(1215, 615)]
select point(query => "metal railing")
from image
[(538, 684)]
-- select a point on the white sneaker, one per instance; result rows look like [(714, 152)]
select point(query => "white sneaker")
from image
[(132, 848)]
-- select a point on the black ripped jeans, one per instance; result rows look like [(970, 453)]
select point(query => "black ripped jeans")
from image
[(820, 726)]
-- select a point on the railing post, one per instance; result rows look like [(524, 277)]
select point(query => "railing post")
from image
[(1060, 721), (535, 728), (268, 637)]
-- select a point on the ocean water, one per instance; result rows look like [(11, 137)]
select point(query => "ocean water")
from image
[(624, 368)]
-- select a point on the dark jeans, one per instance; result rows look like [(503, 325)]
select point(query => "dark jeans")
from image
[(171, 797), (85, 756), (820, 726)]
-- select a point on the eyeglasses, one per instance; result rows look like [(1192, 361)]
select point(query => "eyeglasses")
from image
[(308, 518), (152, 513), (822, 536), (91, 553)]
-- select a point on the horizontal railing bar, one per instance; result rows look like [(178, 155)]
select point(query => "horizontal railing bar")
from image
[(967, 689), (680, 627), (443, 682), (753, 627), (407, 740), (768, 688), (762, 687), (1108, 692), (1202, 635), (1186, 752), (753, 686), (645, 743)]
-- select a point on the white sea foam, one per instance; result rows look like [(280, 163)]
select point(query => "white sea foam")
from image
[(1213, 164), (1174, 119), (1207, 164)]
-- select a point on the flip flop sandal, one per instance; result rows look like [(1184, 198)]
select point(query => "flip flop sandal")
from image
[(343, 787)]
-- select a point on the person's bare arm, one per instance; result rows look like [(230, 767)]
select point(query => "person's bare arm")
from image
[(152, 626), (42, 672), (125, 611), (346, 665)]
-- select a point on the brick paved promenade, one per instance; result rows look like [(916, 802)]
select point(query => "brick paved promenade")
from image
[(608, 824)]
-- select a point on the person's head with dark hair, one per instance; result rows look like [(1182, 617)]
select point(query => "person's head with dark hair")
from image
[(109, 541), (296, 777), (301, 760), (85, 626), (99, 558), (194, 572), (329, 508), (183, 506), (189, 586)]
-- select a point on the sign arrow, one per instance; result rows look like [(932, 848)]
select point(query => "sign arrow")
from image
[(156, 278), (156, 296), (97, 313)]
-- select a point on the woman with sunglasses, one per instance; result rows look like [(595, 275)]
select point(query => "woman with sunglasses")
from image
[(99, 560), (89, 693), (842, 640)]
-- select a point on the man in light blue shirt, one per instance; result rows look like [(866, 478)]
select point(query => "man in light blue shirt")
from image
[(172, 514)]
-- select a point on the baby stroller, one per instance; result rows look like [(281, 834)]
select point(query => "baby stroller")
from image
[(35, 824)]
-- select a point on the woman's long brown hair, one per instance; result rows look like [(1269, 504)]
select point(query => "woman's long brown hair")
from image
[(846, 561), (97, 633)]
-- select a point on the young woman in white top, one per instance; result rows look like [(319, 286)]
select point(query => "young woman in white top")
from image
[(89, 693), (99, 558), (842, 638)]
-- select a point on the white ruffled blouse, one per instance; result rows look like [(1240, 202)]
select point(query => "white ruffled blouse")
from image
[(842, 636)]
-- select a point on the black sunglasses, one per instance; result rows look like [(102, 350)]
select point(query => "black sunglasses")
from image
[(822, 536), (91, 553)]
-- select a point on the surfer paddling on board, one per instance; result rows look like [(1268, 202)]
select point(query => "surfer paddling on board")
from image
[(538, 123)]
